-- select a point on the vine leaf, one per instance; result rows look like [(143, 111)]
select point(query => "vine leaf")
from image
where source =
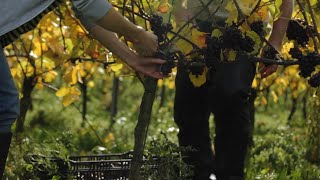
[(231, 55), (216, 33), (275, 9), (71, 77), (69, 94), (198, 81), (198, 37), (116, 67), (164, 7), (233, 13), (257, 41)]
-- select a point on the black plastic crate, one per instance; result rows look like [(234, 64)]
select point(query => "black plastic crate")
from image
[(103, 167)]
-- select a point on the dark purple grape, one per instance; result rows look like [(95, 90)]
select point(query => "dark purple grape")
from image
[(314, 81), (296, 53), (196, 67), (307, 64), (298, 32), (247, 44), (258, 27), (232, 38), (213, 50)]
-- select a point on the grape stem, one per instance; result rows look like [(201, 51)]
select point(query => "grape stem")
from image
[(281, 61), (208, 11), (308, 29), (314, 22), (240, 13), (189, 21)]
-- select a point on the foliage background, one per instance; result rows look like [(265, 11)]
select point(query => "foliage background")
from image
[(73, 103)]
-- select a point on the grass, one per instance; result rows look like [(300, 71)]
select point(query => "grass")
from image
[(278, 153)]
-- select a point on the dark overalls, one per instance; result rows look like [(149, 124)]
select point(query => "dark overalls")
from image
[(226, 95)]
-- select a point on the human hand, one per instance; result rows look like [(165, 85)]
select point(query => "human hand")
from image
[(268, 69), (148, 66), (146, 43)]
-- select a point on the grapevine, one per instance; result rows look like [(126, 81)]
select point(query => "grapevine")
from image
[(314, 81), (258, 27), (299, 31), (232, 39)]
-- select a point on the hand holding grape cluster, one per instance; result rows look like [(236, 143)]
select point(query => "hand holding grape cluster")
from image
[(232, 39)]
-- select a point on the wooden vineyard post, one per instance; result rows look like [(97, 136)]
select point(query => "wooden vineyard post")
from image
[(141, 130)]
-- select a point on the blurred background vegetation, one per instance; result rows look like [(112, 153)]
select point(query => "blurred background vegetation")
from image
[(75, 104)]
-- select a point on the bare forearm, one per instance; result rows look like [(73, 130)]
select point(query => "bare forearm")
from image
[(281, 24), (180, 11), (115, 22), (114, 44)]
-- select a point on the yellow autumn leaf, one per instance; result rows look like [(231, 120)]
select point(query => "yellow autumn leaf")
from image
[(274, 97), (79, 77), (14, 71), (116, 67), (62, 91), (254, 83), (198, 81), (71, 96), (247, 6), (275, 9), (50, 76), (160, 82), (313, 2), (88, 65), (75, 91), (216, 33), (264, 101), (231, 55), (29, 71), (91, 84), (82, 73), (109, 138), (39, 84), (233, 13), (257, 41), (164, 6), (198, 37), (183, 46), (171, 84), (71, 77), (263, 13), (69, 99)]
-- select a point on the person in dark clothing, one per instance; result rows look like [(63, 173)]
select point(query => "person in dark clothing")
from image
[(226, 95), (99, 18)]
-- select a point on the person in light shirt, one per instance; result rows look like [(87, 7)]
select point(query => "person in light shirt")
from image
[(226, 95), (98, 17)]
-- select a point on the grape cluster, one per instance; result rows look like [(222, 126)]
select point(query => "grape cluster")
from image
[(314, 81), (232, 38), (170, 58), (258, 27), (247, 44), (213, 50), (308, 64), (298, 32), (159, 28), (296, 53), (270, 53), (196, 66)]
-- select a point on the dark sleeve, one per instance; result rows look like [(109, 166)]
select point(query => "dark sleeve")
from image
[(90, 11)]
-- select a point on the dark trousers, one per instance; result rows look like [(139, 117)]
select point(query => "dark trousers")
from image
[(9, 96), (226, 95)]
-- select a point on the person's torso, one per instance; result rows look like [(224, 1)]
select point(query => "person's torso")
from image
[(15, 13), (216, 8)]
